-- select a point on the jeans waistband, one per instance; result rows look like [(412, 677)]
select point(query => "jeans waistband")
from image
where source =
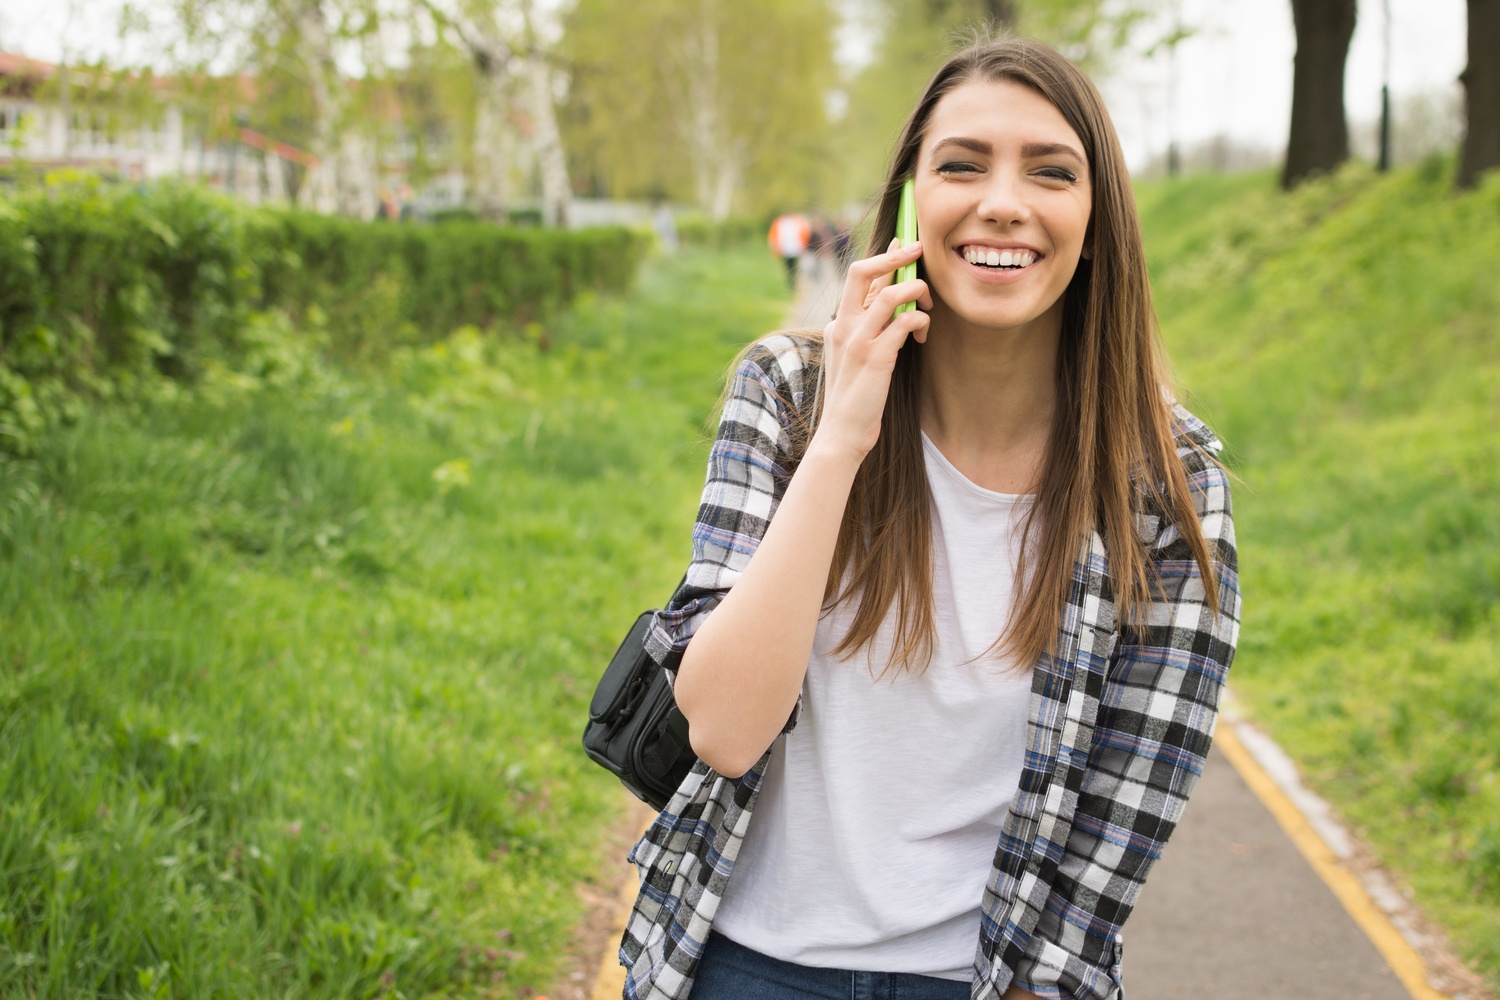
[(731, 970)]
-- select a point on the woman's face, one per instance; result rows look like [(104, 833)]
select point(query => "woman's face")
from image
[(1003, 200)]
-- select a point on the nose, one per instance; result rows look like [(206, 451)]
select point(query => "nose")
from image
[(1002, 200)]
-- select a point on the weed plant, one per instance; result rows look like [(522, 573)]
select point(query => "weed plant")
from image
[(293, 666), (1345, 341)]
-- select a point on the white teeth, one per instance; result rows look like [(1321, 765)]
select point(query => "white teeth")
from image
[(999, 258)]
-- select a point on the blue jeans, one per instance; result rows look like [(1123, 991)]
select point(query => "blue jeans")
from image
[(730, 971)]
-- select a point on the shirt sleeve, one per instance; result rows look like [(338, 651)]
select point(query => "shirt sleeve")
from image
[(1156, 719), (748, 470)]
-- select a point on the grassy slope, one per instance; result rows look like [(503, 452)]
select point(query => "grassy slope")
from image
[(283, 714), (1345, 340), (291, 683)]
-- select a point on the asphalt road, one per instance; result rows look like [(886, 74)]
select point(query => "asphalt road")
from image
[(1232, 911)]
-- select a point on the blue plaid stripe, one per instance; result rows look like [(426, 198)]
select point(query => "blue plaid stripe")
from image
[(1121, 721)]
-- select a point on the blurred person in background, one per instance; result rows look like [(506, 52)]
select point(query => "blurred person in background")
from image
[(789, 236)]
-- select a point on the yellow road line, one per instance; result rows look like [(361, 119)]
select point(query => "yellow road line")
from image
[(1403, 959), (609, 982)]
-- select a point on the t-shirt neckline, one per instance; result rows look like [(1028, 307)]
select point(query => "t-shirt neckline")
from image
[(935, 454)]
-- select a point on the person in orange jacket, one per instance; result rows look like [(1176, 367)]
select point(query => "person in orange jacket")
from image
[(788, 238)]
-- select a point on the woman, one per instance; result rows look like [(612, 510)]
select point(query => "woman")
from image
[(983, 635)]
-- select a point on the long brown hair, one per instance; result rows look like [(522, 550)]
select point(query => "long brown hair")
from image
[(1111, 450)]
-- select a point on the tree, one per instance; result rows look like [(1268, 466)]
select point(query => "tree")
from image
[(508, 45), (282, 57), (720, 102), (1319, 138), (1481, 80), (331, 185), (916, 38)]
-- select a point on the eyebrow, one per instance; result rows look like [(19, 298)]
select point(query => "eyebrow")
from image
[(1029, 150)]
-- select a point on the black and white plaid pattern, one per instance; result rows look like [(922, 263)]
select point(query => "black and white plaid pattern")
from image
[(1121, 721)]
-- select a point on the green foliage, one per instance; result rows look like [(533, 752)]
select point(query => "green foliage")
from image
[(1343, 339), (292, 674), (671, 100), (700, 232), (105, 291), (917, 38)]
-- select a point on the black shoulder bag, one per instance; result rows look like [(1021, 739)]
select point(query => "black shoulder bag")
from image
[(635, 730)]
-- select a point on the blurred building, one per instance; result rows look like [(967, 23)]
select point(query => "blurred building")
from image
[(42, 128), (140, 128)]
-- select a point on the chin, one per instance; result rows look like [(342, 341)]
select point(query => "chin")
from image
[(996, 319)]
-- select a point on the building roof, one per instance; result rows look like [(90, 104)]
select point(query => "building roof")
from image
[(15, 64)]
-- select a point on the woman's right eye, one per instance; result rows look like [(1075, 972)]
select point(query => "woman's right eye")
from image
[(957, 167)]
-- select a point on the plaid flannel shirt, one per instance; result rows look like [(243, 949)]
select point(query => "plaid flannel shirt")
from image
[(1120, 723)]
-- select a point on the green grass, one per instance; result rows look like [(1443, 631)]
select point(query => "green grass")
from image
[(293, 669), (1345, 340)]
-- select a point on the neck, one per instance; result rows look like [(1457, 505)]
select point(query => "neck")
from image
[(987, 397)]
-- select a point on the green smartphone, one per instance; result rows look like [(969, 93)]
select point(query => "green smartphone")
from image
[(906, 231)]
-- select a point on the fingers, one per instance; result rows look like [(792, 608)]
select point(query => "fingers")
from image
[(869, 276), (911, 324), (915, 290), (878, 326)]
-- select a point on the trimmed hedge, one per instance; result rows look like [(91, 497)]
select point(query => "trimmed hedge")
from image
[(101, 288), (701, 232)]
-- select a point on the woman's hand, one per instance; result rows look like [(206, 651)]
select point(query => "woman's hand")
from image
[(860, 346)]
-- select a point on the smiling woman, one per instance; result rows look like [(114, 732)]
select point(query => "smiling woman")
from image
[(963, 593)]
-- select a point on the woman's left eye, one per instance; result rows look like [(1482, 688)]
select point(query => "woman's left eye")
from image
[(1059, 174)]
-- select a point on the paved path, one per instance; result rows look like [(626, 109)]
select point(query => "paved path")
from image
[(819, 284), (1234, 912)]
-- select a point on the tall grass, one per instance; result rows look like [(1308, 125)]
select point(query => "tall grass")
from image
[(291, 667), (1345, 340), (291, 679)]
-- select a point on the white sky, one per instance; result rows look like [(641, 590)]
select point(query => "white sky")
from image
[(1234, 76)]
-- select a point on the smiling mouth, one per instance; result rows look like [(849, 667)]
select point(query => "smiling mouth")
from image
[(999, 260)]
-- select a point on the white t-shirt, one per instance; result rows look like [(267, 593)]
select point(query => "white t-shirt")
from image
[(879, 815)]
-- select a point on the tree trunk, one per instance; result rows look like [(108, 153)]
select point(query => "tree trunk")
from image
[(699, 96), (552, 161), (536, 84), (1319, 138), (1481, 80), (699, 83), (357, 176), (320, 192), (494, 143), (726, 182)]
